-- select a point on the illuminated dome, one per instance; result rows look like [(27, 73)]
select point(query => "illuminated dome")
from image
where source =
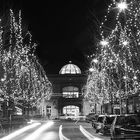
[(70, 69)]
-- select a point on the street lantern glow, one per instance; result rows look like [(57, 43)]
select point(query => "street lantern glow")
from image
[(122, 6), (104, 42)]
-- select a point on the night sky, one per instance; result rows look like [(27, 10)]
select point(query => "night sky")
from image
[(64, 30)]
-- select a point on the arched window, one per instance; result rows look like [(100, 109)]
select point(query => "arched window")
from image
[(70, 92)]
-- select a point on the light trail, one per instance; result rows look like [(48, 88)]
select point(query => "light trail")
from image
[(20, 131), (37, 133)]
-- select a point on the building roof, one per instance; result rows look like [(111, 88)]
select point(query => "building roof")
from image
[(70, 69)]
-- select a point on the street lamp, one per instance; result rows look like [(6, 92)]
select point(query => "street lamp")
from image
[(122, 6)]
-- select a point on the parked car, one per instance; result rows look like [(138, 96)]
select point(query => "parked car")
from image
[(94, 120), (106, 125), (98, 124), (62, 117), (90, 117), (125, 127)]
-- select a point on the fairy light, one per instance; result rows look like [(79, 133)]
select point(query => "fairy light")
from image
[(110, 61), (117, 56), (135, 77), (91, 69), (125, 43), (104, 42), (95, 60)]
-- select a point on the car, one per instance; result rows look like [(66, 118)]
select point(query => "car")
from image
[(106, 125), (94, 120), (98, 124), (125, 127), (90, 117), (103, 124), (62, 117)]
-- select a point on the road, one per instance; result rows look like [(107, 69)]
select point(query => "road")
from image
[(56, 130)]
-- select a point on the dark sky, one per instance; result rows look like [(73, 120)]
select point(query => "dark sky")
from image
[(64, 30)]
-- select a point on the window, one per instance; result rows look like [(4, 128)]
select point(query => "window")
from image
[(70, 92), (48, 108)]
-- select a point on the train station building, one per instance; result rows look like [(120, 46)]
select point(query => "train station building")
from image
[(67, 97)]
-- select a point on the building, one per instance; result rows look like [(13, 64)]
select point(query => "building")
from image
[(67, 98)]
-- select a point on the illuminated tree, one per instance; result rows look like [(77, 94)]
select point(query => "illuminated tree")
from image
[(118, 52), (24, 81)]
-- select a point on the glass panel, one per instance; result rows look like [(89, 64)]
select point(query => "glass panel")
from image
[(70, 69)]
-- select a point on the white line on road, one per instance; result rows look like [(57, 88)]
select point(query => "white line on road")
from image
[(20, 131), (88, 135), (61, 136)]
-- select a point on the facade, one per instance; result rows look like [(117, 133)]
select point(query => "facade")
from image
[(67, 98), (123, 106)]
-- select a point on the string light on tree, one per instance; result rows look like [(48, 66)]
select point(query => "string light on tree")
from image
[(24, 77), (125, 43), (104, 42), (118, 53)]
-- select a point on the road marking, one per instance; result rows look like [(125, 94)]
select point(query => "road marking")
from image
[(61, 136), (20, 131), (88, 135)]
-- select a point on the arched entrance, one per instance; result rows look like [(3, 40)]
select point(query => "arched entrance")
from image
[(71, 110)]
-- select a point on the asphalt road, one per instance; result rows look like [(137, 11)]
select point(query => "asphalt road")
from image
[(56, 130)]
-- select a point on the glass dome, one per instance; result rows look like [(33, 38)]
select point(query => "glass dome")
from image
[(70, 69)]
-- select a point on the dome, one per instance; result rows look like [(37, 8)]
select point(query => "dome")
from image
[(70, 69)]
